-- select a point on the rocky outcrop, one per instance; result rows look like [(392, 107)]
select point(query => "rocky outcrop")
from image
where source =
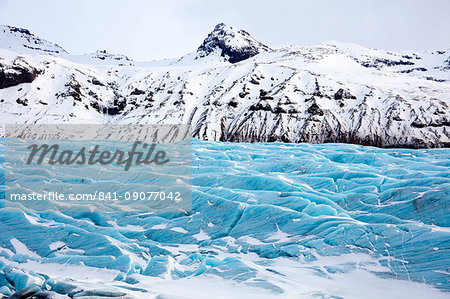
[(12, 75), (234, 45)]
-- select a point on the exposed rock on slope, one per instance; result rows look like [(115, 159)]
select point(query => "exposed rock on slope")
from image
[(234, 88), (23, 41), (234, 45), (15, 74)]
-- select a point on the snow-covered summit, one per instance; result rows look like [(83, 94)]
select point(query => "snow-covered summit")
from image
[(103, 57), (233, 44), (23, 41)]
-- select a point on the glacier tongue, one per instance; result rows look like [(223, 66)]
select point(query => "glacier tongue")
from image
[(329, 220)]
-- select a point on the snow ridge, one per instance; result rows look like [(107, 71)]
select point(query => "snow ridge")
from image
[(22, 40)]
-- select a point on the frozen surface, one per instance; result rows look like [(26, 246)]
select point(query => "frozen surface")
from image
[(268, 220), (233, 88)]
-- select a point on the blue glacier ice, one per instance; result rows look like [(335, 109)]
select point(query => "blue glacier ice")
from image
[(260, 214)]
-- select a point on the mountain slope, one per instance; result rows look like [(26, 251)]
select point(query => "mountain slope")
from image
[(234, 88), (23, 41)]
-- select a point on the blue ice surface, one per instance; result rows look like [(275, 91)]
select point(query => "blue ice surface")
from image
[(320, 200)]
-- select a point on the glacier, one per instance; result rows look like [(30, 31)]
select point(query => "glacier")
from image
[(267, 220)]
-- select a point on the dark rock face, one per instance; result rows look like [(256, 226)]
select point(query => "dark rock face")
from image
[(16, 74), (234, 45), (23, 102), (117, 108), (73, 90), (137, 92), (314, 109), (20, 30), (379, 62), (95, 81), (343, 94), (262, 105)]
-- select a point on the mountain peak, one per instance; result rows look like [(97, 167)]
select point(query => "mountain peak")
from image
[(23, 41), (233, 44)]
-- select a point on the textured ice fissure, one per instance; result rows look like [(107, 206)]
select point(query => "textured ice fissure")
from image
[(265, 216)]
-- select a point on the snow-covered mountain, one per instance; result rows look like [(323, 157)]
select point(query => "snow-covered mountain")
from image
[(23, 41), (234, 88)]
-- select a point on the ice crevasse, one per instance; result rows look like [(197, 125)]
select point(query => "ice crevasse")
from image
[(278, 218)]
